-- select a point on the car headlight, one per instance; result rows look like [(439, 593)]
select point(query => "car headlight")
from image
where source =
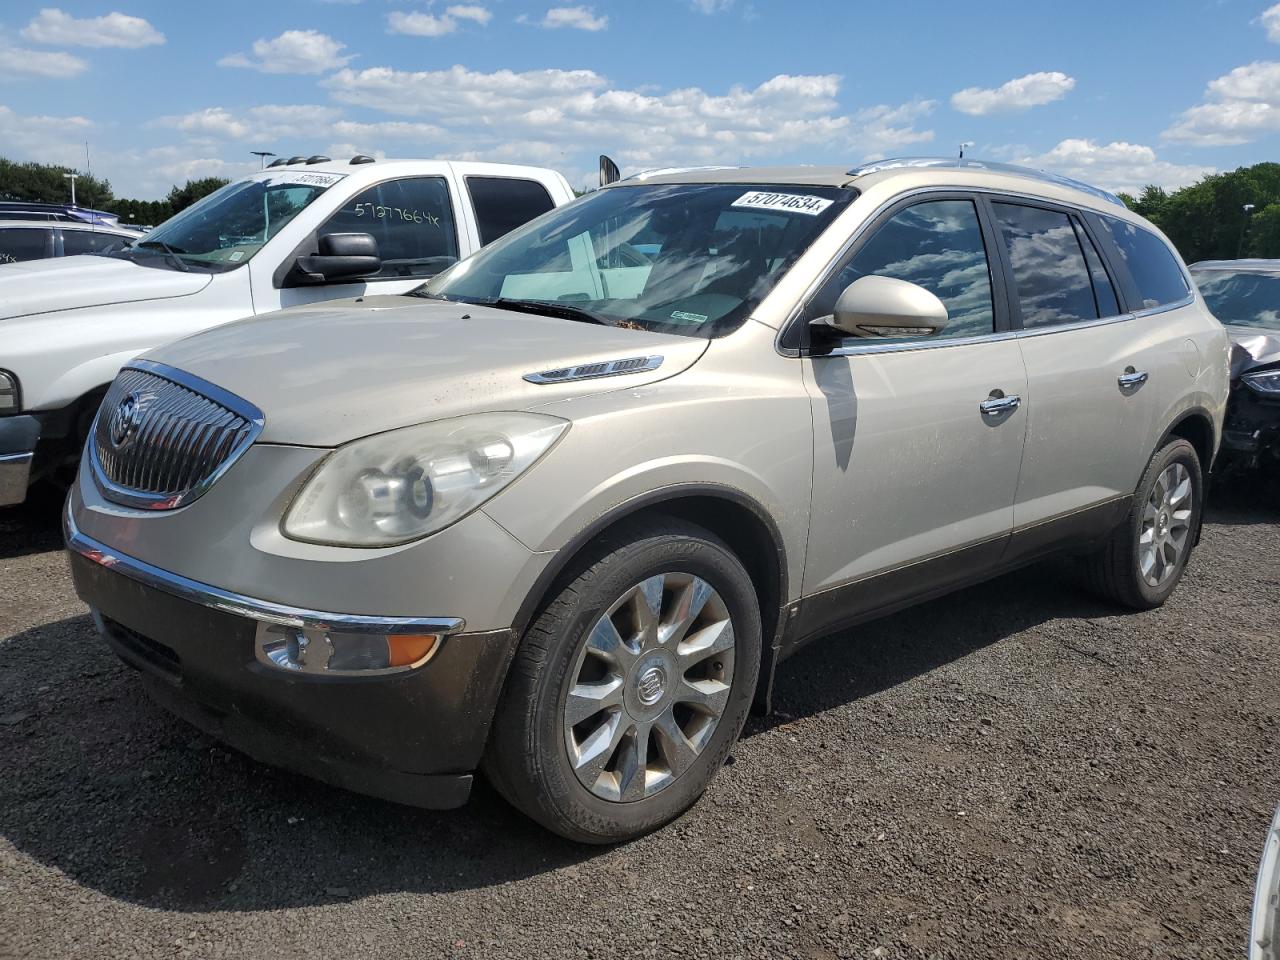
[(402, 485), (10, 399), (1266, 382)]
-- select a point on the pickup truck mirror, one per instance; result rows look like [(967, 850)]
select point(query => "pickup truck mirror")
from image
[(886, 307), (342, 256)]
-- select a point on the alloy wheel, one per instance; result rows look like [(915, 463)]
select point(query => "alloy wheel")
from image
[(1166, 525), (650, 683)]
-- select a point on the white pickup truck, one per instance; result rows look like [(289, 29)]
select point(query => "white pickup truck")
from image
[(295, 233)]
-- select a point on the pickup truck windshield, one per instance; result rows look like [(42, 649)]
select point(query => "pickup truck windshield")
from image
[(692, 259), (1244, 299), (230, 225)]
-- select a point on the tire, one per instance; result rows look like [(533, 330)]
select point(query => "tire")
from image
[(533, 751), (1116, 571)]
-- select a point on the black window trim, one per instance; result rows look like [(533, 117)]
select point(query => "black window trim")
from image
[(794, 338), (310, 244)]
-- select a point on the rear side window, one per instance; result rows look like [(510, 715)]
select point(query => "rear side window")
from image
[(504, 203), (1050, 274), (412, 220), (1151, 263), (88, 241), (18, 244)]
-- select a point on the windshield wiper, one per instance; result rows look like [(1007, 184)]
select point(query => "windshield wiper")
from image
[(169, 252), (555, 308)]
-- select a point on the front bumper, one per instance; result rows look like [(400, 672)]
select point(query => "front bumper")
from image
[(18, 437), (413, 737)]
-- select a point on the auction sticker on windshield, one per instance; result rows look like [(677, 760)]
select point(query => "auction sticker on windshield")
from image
[(785, 202), (299, 178)]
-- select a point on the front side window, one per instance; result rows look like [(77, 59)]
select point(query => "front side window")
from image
[(504, 203), (1151, 263), (1241, 298), (937, 245), (412, 221), (229, 226), (25, 243), (1050, 274), (691, 259)]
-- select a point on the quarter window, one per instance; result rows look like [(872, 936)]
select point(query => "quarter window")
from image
[(412, 221), (1151, 263), (937, 245), (1051, 277), (504, 203)]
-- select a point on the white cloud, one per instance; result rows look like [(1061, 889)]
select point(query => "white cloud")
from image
[(576, 111), (1238, 107), (417, 24), (1271, 23), (1115, 166), (294, 51), (1021, 93), (473, 12), (711, 6), (576, 18), (52, 26), (45, 64), (47, 139)]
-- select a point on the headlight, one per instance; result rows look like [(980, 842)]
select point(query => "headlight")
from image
[(399, 486), (1266, 382), (10, 401)]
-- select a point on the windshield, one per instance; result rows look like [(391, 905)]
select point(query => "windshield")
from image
[(692, 259), (1244, 299), (230, 225)]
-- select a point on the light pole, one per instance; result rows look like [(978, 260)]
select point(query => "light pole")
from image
[(967, 143), (262, 155), (1244, 228), (72, 178)]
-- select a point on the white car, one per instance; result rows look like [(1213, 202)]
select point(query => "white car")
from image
[(292, 234)]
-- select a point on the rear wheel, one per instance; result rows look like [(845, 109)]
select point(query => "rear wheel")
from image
[(631, 686), (1142, 562)]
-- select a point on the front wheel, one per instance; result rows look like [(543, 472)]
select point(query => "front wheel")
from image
[(1142, 562), (631, 686)]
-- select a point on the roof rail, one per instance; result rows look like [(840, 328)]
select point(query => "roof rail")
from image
[(666, 171), (1010, 169)]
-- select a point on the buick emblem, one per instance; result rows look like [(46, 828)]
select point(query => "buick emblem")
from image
[(125, 420), (651, 685)]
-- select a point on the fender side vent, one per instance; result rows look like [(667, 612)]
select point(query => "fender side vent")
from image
[(591, 371)]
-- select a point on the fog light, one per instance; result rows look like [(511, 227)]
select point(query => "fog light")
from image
[(333, 652)]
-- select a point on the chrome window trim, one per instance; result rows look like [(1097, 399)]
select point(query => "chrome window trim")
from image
[(127, 496), (930, 344), (226, 601)]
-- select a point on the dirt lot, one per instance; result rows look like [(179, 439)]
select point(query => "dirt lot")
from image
[(1012, 771)]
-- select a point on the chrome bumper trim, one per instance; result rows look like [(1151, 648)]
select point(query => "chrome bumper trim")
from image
[(15, 475), (263, 611)]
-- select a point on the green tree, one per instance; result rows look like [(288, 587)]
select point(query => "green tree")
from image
[(1262, 235), (45, 183), (182, 197)]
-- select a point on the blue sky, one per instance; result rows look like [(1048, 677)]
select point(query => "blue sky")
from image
[(1117, 93)]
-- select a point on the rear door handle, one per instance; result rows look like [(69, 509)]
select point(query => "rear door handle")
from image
[(1131, 379), (998, 403)]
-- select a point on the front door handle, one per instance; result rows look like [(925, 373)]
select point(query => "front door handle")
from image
[(998, 403), (1131, 379)]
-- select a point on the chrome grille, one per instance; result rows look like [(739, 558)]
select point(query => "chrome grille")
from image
[(162, 436)]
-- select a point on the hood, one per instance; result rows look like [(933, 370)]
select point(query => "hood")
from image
[(331, 372), (1253, 347), (70, 283)]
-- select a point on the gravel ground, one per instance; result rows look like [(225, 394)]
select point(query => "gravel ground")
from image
[(1013, 771)]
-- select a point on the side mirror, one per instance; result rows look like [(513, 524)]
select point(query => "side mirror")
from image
[(609, 172), (342, 256), (884, 307)]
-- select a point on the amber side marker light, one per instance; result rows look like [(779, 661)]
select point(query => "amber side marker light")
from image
[(406, 649)]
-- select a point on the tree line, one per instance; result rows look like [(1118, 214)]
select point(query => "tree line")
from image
[(45, 183), (1209, 220)]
